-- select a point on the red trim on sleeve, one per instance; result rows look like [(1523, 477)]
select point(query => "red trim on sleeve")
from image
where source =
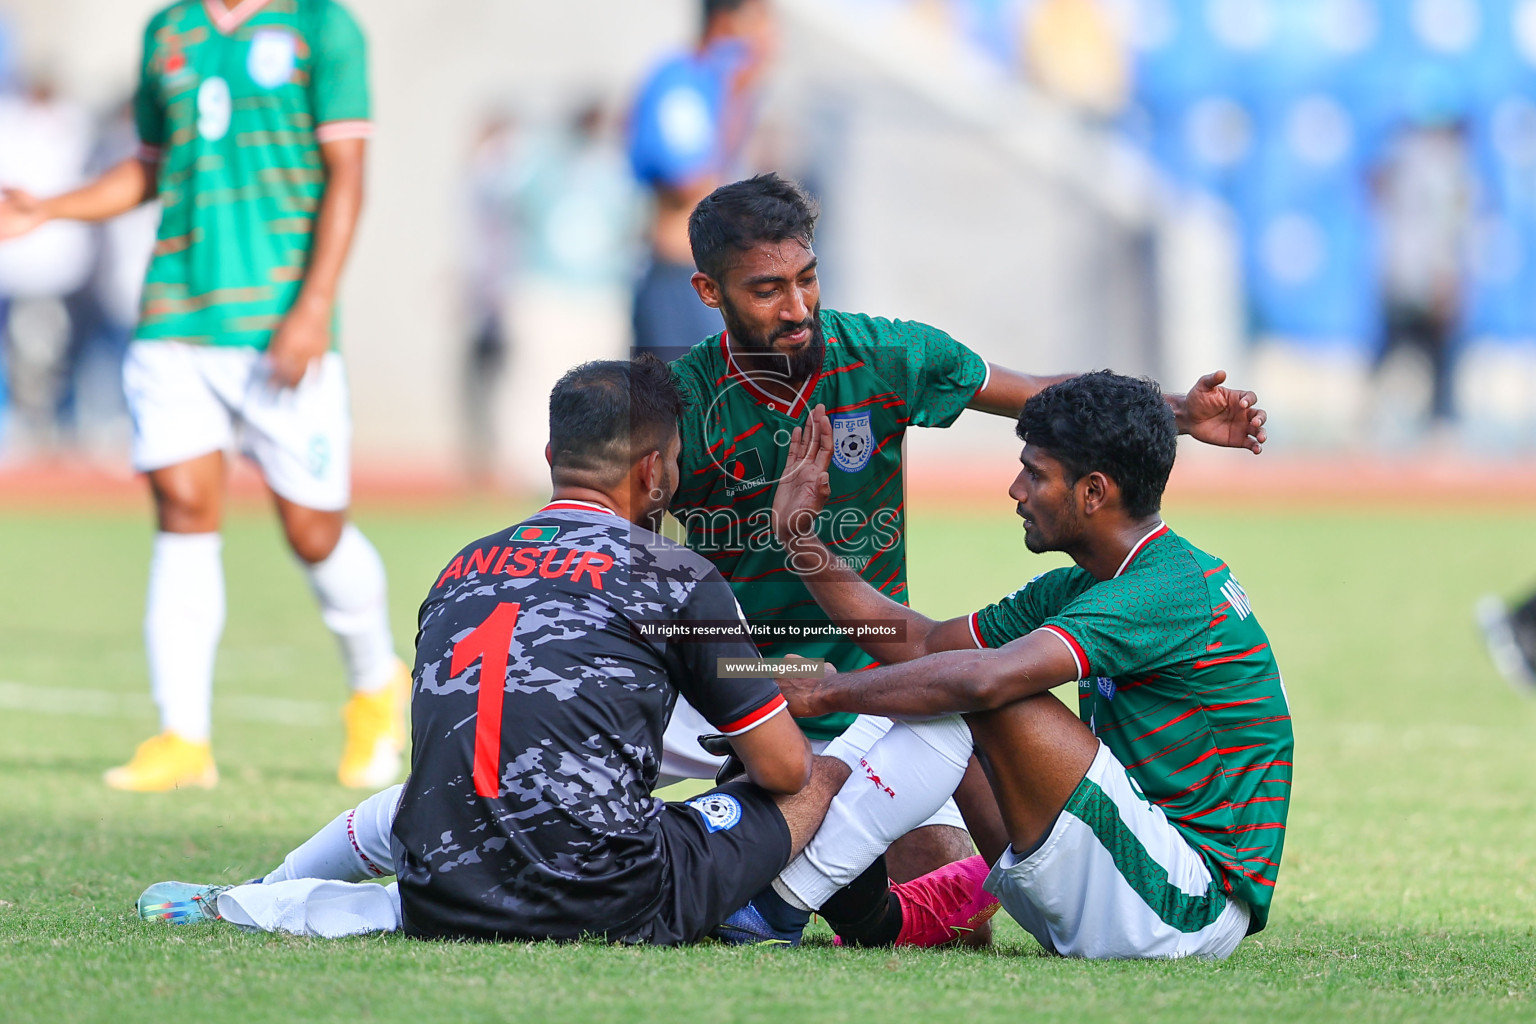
[(975, 623), (335, 131), (751, 720), (1078, 654)]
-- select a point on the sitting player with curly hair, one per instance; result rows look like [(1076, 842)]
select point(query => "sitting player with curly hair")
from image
[(1150, 823)]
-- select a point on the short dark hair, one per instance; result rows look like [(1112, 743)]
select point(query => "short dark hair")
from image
[(714, 7), (1119, 426), (604, 415), (735, 217)]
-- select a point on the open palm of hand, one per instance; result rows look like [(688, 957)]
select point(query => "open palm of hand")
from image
[(803, 490)]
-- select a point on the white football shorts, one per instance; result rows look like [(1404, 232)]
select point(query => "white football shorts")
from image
[(683, 758), (1115, 880), (189, 400)]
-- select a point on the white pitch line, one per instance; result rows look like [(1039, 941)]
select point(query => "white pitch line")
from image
[(59, 700)]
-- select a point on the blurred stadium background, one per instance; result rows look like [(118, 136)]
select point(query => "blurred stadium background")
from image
[(1333, 199)]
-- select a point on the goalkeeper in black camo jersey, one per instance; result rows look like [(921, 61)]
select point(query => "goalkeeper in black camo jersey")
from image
[(541, 691)]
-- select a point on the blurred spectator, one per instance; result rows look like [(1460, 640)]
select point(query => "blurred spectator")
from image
[(1372, 229), (47, 143), (491, 253), (690, 120), (579, 205), (569, 234), (1424, 192)]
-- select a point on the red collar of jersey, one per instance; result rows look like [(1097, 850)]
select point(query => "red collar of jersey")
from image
[(1161, 529), (572, 505), (794, 409), (227, 19)]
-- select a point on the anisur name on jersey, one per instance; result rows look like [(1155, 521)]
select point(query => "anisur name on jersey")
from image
[(527, 561)]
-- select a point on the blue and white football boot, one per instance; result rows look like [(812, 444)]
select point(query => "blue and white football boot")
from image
[(181, 902)]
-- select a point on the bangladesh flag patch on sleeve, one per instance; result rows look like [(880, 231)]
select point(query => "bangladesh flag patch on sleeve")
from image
[(536, 534)]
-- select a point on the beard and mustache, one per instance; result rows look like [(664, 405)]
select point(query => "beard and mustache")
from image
[(760, 349), (1065, 530)]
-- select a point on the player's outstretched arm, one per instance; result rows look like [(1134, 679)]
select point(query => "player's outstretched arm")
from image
[(842, 593), (1007, 390), (119, 190), (1217, 415), (950, 682), (305, 333)]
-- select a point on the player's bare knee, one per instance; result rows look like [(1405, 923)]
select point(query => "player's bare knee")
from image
[(827, 777), (804, 811), (1038, 722), (830, 771), (312, 534), (185, 503)]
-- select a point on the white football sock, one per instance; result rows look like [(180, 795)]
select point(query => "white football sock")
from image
[(354, 847), (353, 602), (854, 742), (183, 619), (313, 907), (895, 787)]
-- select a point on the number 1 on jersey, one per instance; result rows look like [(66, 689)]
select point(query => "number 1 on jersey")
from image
[(491, 642)]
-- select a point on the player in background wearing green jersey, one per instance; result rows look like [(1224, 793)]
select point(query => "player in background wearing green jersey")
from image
[(253, 117), (749, 387), (1151, 823)]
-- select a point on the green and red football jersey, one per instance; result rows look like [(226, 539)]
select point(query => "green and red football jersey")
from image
[(1178, 679), (234, 105), (878, 378)]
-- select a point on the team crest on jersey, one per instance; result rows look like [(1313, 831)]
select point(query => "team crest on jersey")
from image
[(719, 811), (853, 441), (273, 56)]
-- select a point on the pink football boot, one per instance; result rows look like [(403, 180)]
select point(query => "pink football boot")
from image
[(945, 905)]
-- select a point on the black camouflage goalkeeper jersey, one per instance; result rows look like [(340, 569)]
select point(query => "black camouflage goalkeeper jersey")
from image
[(529, 812)]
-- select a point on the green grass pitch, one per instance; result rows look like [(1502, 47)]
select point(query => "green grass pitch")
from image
[(1407, 889)]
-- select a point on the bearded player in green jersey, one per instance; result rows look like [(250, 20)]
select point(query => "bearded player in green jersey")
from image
[(1151, 823), (253, 117), (749, 387)]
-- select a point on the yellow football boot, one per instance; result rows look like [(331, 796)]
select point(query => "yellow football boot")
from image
[(163, 763), (375, 734)]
